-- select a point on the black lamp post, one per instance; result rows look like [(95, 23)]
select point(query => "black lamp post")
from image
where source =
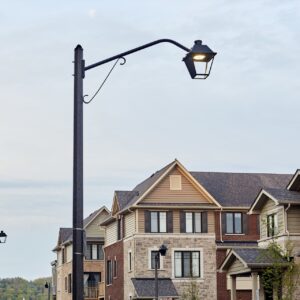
[(48, 286), (161, 251), (198, 54), (3, 237)]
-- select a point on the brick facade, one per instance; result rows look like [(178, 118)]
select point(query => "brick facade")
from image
[(252, 234), (115, 291)]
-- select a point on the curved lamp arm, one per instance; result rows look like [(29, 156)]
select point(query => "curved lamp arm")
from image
[(136, 50)]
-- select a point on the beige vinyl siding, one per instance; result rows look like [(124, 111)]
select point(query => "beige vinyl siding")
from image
[(188, 193), (210, 222), (176, 221), (130, 224), (237, 266), (59, 258), (93, 229), (293, 219), (242, 283), (111, 233), (69, 250), (141, 220), (270, 208)]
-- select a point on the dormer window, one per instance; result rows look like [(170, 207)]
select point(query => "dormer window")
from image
[(175, 182)]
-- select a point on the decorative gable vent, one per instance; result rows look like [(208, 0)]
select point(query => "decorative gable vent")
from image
[(175, 183)]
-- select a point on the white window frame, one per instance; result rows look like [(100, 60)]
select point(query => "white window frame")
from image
[(202, 275), (161, 260)]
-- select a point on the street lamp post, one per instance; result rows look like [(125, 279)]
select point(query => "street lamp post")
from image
[(161, 251), (199, 54), (3, 237)]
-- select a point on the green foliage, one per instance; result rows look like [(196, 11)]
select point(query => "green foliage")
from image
[(19, 289), (191, 292), (278, 280)]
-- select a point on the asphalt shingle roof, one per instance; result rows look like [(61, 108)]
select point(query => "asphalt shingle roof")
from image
[(65, 234), (284, 196), (127, 198), (229, 189), (145, 287), (239, 189), (252, 256)]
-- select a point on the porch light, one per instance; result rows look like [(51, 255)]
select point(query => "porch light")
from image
[(199, 60), (3, 236)]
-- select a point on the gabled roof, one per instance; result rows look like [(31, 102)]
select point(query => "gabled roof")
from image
[(125, 197), (65, 234), (93, 216), (224, 189), (145, 287), (238, 189), (279, 196), (294, 184), (129, 198), (251, 258)]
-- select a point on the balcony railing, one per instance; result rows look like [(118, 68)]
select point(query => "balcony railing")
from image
[(94, 292), (91, 292)]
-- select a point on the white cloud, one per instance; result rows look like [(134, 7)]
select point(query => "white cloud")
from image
[(92, 13)]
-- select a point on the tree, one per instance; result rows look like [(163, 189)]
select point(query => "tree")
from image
[(282, 277), (192, 291)]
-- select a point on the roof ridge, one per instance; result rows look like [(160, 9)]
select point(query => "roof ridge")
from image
[(244, 173)]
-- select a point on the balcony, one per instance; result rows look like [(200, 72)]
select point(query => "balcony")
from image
[(95, 292)]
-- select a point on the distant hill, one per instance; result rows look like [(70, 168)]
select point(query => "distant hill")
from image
[(19, 289)]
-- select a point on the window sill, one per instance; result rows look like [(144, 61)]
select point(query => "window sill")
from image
[(188, 278), (157, 270), (235, 234)]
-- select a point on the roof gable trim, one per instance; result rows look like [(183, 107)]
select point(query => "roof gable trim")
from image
[(258, 199), (185, 173)]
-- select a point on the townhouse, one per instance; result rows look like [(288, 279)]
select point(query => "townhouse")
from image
[(199, 216), (278, 210), (93, 261)]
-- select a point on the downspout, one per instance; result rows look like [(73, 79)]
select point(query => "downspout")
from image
[(221, 232), (285, 219)]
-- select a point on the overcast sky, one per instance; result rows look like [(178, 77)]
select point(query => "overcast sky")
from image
[(244, 118)]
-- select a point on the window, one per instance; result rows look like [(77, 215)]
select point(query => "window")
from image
[(187, 264), (94, 251), (119, 228), (153, 254), (109, 272), (272, 225), (193, 222), (63, 258), (129, 261), (70, 283), (115, 267), (66, 284), (234, 223), (158, 221)]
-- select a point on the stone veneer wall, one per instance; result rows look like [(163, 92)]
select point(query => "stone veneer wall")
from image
[(140, 245)]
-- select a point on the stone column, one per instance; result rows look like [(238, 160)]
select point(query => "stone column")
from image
[(254, 285), (261, 290), (233, 287)]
